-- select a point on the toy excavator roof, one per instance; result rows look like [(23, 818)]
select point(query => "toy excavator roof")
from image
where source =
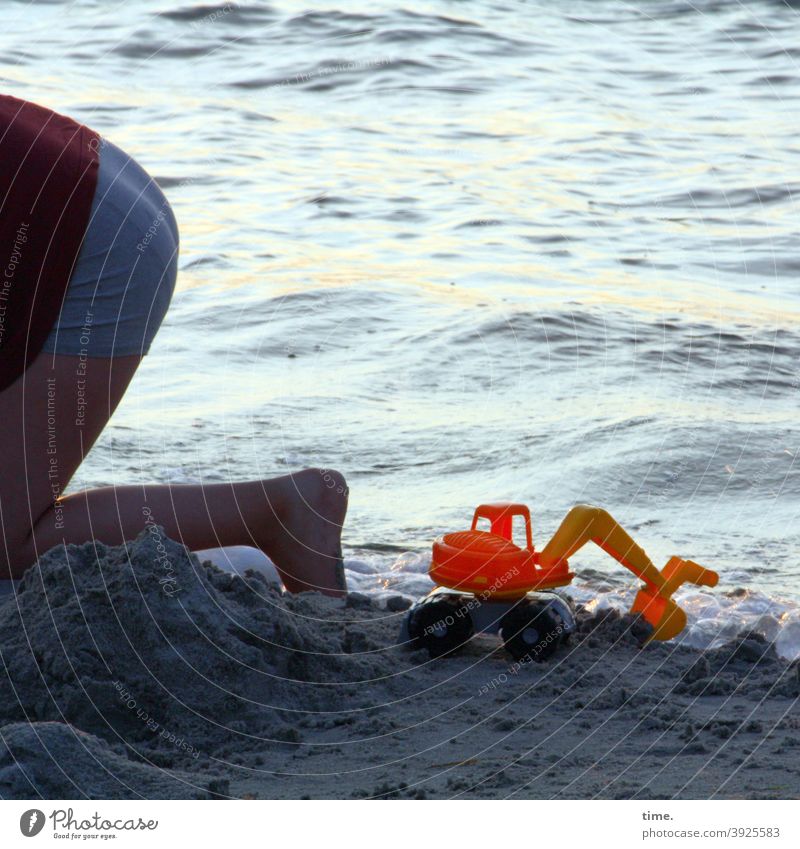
[(501, 517)]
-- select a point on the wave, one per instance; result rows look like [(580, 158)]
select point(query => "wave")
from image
[(733, 198)]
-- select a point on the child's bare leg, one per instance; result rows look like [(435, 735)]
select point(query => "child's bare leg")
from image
[(296, 520)]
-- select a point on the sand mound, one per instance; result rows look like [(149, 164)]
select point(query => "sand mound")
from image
[(56, 761), (144, 643)]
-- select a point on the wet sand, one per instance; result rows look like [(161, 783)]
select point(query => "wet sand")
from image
[(140, 672)]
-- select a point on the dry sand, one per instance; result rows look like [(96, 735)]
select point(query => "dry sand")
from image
[(139, 672)]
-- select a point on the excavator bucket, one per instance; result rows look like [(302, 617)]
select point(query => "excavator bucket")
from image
[(667, 619), (657, 606)]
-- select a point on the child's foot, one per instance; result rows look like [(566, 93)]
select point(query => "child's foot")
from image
[(308, 553)]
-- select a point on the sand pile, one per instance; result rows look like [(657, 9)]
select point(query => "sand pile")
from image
[(55, 760), (144, 643)]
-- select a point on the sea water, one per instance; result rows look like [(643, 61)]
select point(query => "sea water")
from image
[(469, 251)]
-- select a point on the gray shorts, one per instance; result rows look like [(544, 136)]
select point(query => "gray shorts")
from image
[(125, 273)]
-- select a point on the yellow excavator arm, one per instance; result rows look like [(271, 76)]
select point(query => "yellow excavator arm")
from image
[(654, 602)]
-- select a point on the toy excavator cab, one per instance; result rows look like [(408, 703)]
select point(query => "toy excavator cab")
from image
[(489, 563)]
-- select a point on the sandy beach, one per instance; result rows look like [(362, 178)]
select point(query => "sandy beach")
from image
[(139, 672)]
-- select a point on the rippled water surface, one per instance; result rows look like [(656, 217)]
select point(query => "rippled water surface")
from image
[(465, 251)]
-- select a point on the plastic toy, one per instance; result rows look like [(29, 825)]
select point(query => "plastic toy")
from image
[(488, 584)]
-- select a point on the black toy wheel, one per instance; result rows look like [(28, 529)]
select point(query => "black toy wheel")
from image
[(531, 631), (441, 627)]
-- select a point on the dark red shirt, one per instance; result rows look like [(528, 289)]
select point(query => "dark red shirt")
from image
[(48, 174)]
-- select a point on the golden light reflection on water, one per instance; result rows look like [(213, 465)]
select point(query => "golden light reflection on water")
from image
[(528, 284), (327, 236)]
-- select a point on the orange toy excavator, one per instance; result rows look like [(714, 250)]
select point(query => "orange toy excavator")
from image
[(476, 561)]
